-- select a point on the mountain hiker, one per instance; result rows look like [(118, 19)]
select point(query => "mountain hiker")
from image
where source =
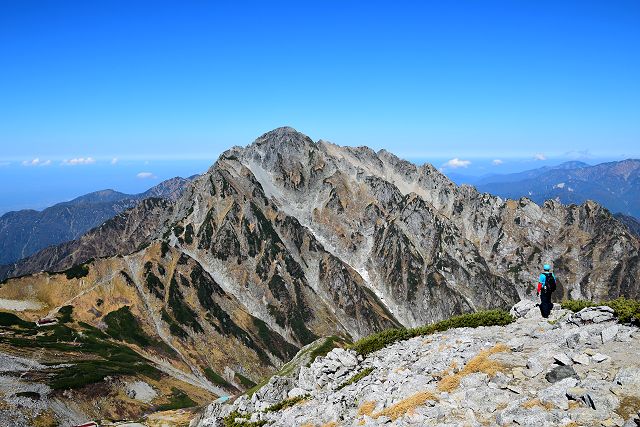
[(546, 286)]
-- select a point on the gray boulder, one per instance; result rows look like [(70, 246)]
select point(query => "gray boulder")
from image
[(559, 373), (628, 376), (521, 308), (592, 315), (562, 359), (581, 395), (608, 334)]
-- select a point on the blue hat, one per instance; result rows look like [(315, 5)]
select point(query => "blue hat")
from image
[(546, 267)]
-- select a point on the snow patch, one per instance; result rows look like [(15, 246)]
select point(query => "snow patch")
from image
[(140, 390), (19, 305)]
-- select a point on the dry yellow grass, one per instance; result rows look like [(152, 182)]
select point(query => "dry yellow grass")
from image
[(179, 418), (443, 346), (367, 407), (573, 404), (307, 425), (45, 419), (479, 363), (536, 402), (629, 406), (330, 424), (449, 382), (406, 406)]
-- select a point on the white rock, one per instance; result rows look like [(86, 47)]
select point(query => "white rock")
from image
[(582, 359), (628, 376), (296, 392), (599, 357), (609, 333), (522, 308), (562, 359), (516, 344)]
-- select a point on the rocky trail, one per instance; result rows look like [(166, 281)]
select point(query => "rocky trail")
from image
[(577, 369)]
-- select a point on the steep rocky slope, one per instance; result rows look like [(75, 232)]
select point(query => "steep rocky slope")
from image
[(631, 222), (570, 370), (23, 233)]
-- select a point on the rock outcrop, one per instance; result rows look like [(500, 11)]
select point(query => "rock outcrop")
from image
[(521, 374)]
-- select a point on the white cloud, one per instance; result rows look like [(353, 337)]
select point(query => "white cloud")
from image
[(457, 163), (114, 160), (539, 156), (36, 162), (579, 154), (497, 162), (79, 161), (146, 175)]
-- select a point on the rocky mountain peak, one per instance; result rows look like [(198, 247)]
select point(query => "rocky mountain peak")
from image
[(283, 136)]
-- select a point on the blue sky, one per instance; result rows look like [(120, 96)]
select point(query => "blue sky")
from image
[(176, 83)]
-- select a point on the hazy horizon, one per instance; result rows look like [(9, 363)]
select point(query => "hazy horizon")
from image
[(41, 186), (480, 87)]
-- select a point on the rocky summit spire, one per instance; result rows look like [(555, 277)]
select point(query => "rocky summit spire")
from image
[(283, 135)]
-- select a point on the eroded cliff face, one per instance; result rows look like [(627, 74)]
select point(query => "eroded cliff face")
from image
[(426, 248), (287, 240)]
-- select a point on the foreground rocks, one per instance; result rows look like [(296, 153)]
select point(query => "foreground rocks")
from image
[(571, 369)]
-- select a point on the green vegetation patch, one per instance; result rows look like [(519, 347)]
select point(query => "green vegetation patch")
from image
[(246, 382), (626, 310), (92, 331), (329, 344), (178, 400), (154, 284), (178, 230), (287, 403), (273, 341), (188, 234), (164, 248), (236, 419), (122, 325), (10, 319), (174, 328), (65, 314), (217, 379), (357, 377), (78, 271), (385, 338), (182, 312), (103, 357), (29, 395), (87, 372)]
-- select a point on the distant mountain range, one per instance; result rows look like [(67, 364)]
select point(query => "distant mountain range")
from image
[(25, 232), (615, 185)]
